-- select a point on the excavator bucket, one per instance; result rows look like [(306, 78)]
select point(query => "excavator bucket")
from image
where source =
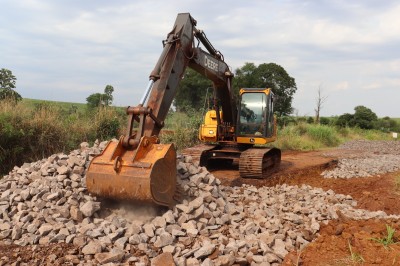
[(144, 174)]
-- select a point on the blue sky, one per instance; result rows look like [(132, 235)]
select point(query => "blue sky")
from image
[(66, 50)]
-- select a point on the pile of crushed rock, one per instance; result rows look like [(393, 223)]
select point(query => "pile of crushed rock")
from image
[(378, 157), (373, 146), (47, 202)]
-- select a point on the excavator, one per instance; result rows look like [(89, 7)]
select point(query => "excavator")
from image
[(140, 168)]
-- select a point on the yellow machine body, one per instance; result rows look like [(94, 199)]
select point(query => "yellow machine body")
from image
[(208, 130)]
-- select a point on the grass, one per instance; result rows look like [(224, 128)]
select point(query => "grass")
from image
[(307, 137), (389, 239), (397, 182), (66, 107), (354, 256)]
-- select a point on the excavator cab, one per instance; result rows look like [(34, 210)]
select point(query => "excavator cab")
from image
[(256, 122), (255, 126)]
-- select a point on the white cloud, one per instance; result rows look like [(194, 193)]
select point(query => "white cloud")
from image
[(372, 86), (342, 86)]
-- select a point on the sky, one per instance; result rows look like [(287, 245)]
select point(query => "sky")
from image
[(66, 50)]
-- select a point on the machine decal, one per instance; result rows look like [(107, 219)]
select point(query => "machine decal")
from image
[(210, 63)]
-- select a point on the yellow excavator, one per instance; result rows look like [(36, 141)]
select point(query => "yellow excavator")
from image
[(140, 168)]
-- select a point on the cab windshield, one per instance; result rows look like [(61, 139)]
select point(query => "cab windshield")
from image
[(252, 114)]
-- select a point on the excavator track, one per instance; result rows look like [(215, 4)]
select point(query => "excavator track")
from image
[(196, 151), (259, 162)]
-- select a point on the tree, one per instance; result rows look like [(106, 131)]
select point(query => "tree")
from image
[(101, 99), (345, 120), (192, 91), (245, 77), (108, 99), (94, 100), (7, 86), (193, 87), (272, 76), (386, 124), (319, 101), (364, 117)]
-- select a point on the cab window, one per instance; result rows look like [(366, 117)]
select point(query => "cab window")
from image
[(252, 110)]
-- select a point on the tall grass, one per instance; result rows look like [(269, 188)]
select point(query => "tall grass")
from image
[(305, 136), (325, 135), (31, 133), (184, 128)]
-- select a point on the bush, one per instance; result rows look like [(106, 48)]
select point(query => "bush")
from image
[(11, 147), (386, 124), (107, 123), (324, 121), (345, 120), (310, 120)]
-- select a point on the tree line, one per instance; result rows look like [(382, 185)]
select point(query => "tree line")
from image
[(194, 88)]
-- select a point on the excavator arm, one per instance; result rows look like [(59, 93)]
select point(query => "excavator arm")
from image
[(138, 167), (180, 52)]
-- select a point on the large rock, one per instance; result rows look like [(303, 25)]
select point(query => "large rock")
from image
[(163, 240), (93, 247), (109, 257), (204, 251), (89, 208), (164, 259), (279, 248), (76, 214)]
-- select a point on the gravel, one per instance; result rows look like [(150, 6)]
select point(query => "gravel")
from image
[(376, 146), (378, 157), (47, 202)]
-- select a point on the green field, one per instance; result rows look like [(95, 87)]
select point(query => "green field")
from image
[(64, 106)]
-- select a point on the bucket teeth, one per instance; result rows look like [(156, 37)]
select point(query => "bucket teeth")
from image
[(179, 193)]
